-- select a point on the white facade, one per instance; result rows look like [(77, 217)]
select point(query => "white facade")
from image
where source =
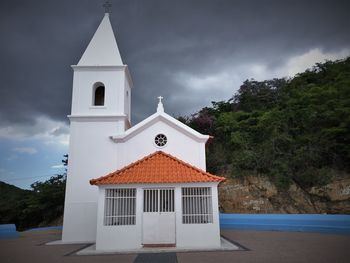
[(102, 141), (111, 238), (183, 142)]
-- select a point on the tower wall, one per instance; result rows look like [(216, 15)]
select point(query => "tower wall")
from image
[(117, 91), (91, 151), (91, 154)]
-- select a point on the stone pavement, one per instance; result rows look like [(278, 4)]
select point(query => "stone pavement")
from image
[(262, 246)]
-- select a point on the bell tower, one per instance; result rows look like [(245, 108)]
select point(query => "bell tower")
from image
[(102, 83), (101, 102)]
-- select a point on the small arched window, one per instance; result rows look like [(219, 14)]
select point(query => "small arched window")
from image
[(99, 94)]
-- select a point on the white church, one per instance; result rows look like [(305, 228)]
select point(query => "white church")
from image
[(130, 187)]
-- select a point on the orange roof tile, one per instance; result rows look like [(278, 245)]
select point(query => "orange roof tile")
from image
[(158, 167)]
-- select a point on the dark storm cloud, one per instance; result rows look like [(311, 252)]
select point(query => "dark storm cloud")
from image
[(159, 40)]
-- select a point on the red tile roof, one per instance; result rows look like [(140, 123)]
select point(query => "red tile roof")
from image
[(158, 167)]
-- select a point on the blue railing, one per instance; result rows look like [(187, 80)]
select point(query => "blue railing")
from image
[(8, 231), (45, 228), (337, 224)]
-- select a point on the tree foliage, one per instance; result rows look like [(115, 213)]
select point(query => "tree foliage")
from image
[(41, 205), (288, 129)]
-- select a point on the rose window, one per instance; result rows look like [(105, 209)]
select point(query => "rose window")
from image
[(160, 140)]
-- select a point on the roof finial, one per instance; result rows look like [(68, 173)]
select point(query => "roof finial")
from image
[(107, 5), (160, 107)]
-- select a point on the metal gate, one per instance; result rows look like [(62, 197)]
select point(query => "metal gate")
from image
[(158, 217)]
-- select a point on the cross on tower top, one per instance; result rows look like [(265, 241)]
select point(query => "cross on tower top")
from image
[(107, 5), (160, 99)]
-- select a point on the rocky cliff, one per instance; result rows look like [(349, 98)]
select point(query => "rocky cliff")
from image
[(254, 194)]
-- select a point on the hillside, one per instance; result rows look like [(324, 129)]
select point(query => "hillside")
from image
[(290, 132), (40, 206), (12, 202), (254, 194)]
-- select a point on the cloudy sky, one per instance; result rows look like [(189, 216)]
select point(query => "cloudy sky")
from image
[(190, 52)]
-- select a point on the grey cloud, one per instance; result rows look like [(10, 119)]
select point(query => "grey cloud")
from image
[(157, 39), (62, 130)]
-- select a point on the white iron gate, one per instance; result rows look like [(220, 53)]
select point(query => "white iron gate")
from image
[(158, 217)]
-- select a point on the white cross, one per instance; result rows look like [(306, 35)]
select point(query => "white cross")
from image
[(107, 5), (160, 99)]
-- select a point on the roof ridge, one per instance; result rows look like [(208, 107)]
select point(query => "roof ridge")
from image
[(123, 172)]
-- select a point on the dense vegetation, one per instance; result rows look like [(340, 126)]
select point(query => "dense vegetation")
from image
[(40, 206), (288, 129)]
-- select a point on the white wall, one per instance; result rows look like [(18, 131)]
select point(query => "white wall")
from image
[(91, 152), (127, 104), (198, 235), (91, 155), (118, 237), (113, 77), (179, 145), (130, 237)]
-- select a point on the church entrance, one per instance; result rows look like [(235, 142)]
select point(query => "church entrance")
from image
[(158, 217)]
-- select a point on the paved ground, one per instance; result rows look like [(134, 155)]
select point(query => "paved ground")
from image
[(263, 246)]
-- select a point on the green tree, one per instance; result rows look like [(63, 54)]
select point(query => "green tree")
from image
[(294, 129), (40, 206)]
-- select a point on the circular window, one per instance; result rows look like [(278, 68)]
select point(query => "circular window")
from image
[(160, 140)]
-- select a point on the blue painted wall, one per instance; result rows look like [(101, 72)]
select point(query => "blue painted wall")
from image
[(46, 228), (8, 231), (336, 224)]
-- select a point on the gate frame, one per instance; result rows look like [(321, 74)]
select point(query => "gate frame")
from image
[(175, 214)]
